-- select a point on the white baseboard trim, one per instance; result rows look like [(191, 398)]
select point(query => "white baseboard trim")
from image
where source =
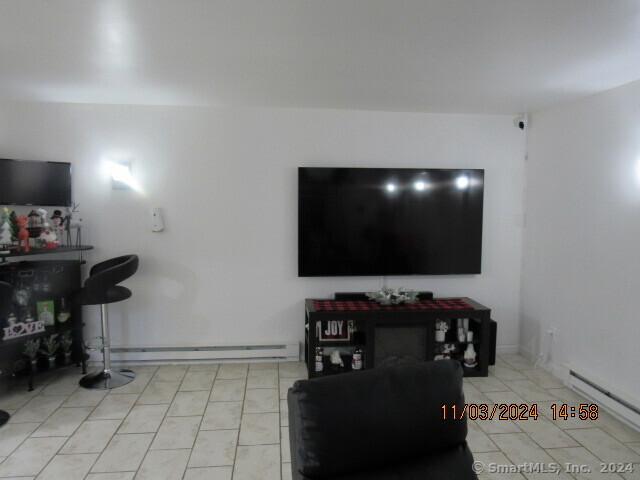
[(526, 353), (206, 353), (621, 405), (507, 349)]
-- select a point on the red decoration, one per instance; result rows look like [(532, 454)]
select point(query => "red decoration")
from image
[(23, 233)]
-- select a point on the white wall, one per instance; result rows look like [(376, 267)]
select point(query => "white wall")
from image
[(581, 263), (225, 269)]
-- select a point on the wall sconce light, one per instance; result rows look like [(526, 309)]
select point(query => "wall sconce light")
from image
[(121, 178)]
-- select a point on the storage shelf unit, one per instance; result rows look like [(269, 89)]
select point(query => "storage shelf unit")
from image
[(44, 251), (43, 280), (410, 328)]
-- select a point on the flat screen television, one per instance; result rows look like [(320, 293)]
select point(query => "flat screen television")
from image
[(26, 182), (389, 221)]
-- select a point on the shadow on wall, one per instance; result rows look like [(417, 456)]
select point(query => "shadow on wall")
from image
[(281, 320), (161, 289), (530, 338)]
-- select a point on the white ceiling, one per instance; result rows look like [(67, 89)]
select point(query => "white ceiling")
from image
[(495, 56)]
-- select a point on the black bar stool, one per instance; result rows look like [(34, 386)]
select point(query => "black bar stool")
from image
[(5, 291), (101, 288)]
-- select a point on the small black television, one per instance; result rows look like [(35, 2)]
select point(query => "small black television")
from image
[(27, 182), (389, 221)]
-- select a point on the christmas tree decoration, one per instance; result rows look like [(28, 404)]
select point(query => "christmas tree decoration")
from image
[(5, 229), (15, 228)]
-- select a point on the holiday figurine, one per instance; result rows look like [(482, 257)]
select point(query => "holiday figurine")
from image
[(48, 237), (5, 229), (23, 233), (70, 224), (57, 221), (35, 224)]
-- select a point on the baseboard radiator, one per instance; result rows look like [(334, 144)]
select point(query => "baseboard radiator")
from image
[(625, 409), (220, 353)]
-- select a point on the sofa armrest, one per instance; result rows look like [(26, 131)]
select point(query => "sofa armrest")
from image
[(358, 421)]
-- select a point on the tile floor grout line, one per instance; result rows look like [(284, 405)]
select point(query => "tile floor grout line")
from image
[(587, 448), (115, 432), (155, 434), (244, 401), (186, 467)]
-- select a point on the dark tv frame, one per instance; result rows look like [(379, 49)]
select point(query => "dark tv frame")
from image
[(41, 204), (340, 275)]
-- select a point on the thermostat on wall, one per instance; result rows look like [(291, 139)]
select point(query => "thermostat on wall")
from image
[(157, 222)]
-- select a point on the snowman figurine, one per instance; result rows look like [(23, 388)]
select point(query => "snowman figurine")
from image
[(57, 221), (48, 237)]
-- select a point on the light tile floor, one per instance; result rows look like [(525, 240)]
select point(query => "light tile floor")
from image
[(229, 421)]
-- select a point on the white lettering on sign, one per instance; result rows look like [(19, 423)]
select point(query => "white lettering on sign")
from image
[(334, 328), (23, 329)]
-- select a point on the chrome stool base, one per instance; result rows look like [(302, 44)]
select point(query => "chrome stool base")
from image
[(4, 417), (106, 380)]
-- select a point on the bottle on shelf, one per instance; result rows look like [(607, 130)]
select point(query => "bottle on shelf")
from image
[(319, 359), (64, 314), (470, 356), (356, 360)]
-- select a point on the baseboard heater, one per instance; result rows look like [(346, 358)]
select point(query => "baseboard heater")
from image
[(275, 352), (624, 409)]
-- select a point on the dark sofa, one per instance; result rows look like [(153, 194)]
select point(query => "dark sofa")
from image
[(380, 424)]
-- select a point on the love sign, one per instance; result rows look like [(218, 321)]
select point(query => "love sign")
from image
[(23, 329)]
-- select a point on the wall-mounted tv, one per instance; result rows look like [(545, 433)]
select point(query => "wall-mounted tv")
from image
[(26, 182), (389, 221)]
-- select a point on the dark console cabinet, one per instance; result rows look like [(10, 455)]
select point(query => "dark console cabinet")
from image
[(403, 331), (53, 281)]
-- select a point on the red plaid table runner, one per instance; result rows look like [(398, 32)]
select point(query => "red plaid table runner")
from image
[(364, 306)]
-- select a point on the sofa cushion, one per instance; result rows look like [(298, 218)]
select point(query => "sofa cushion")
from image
[(364, 420), (450, 464)]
